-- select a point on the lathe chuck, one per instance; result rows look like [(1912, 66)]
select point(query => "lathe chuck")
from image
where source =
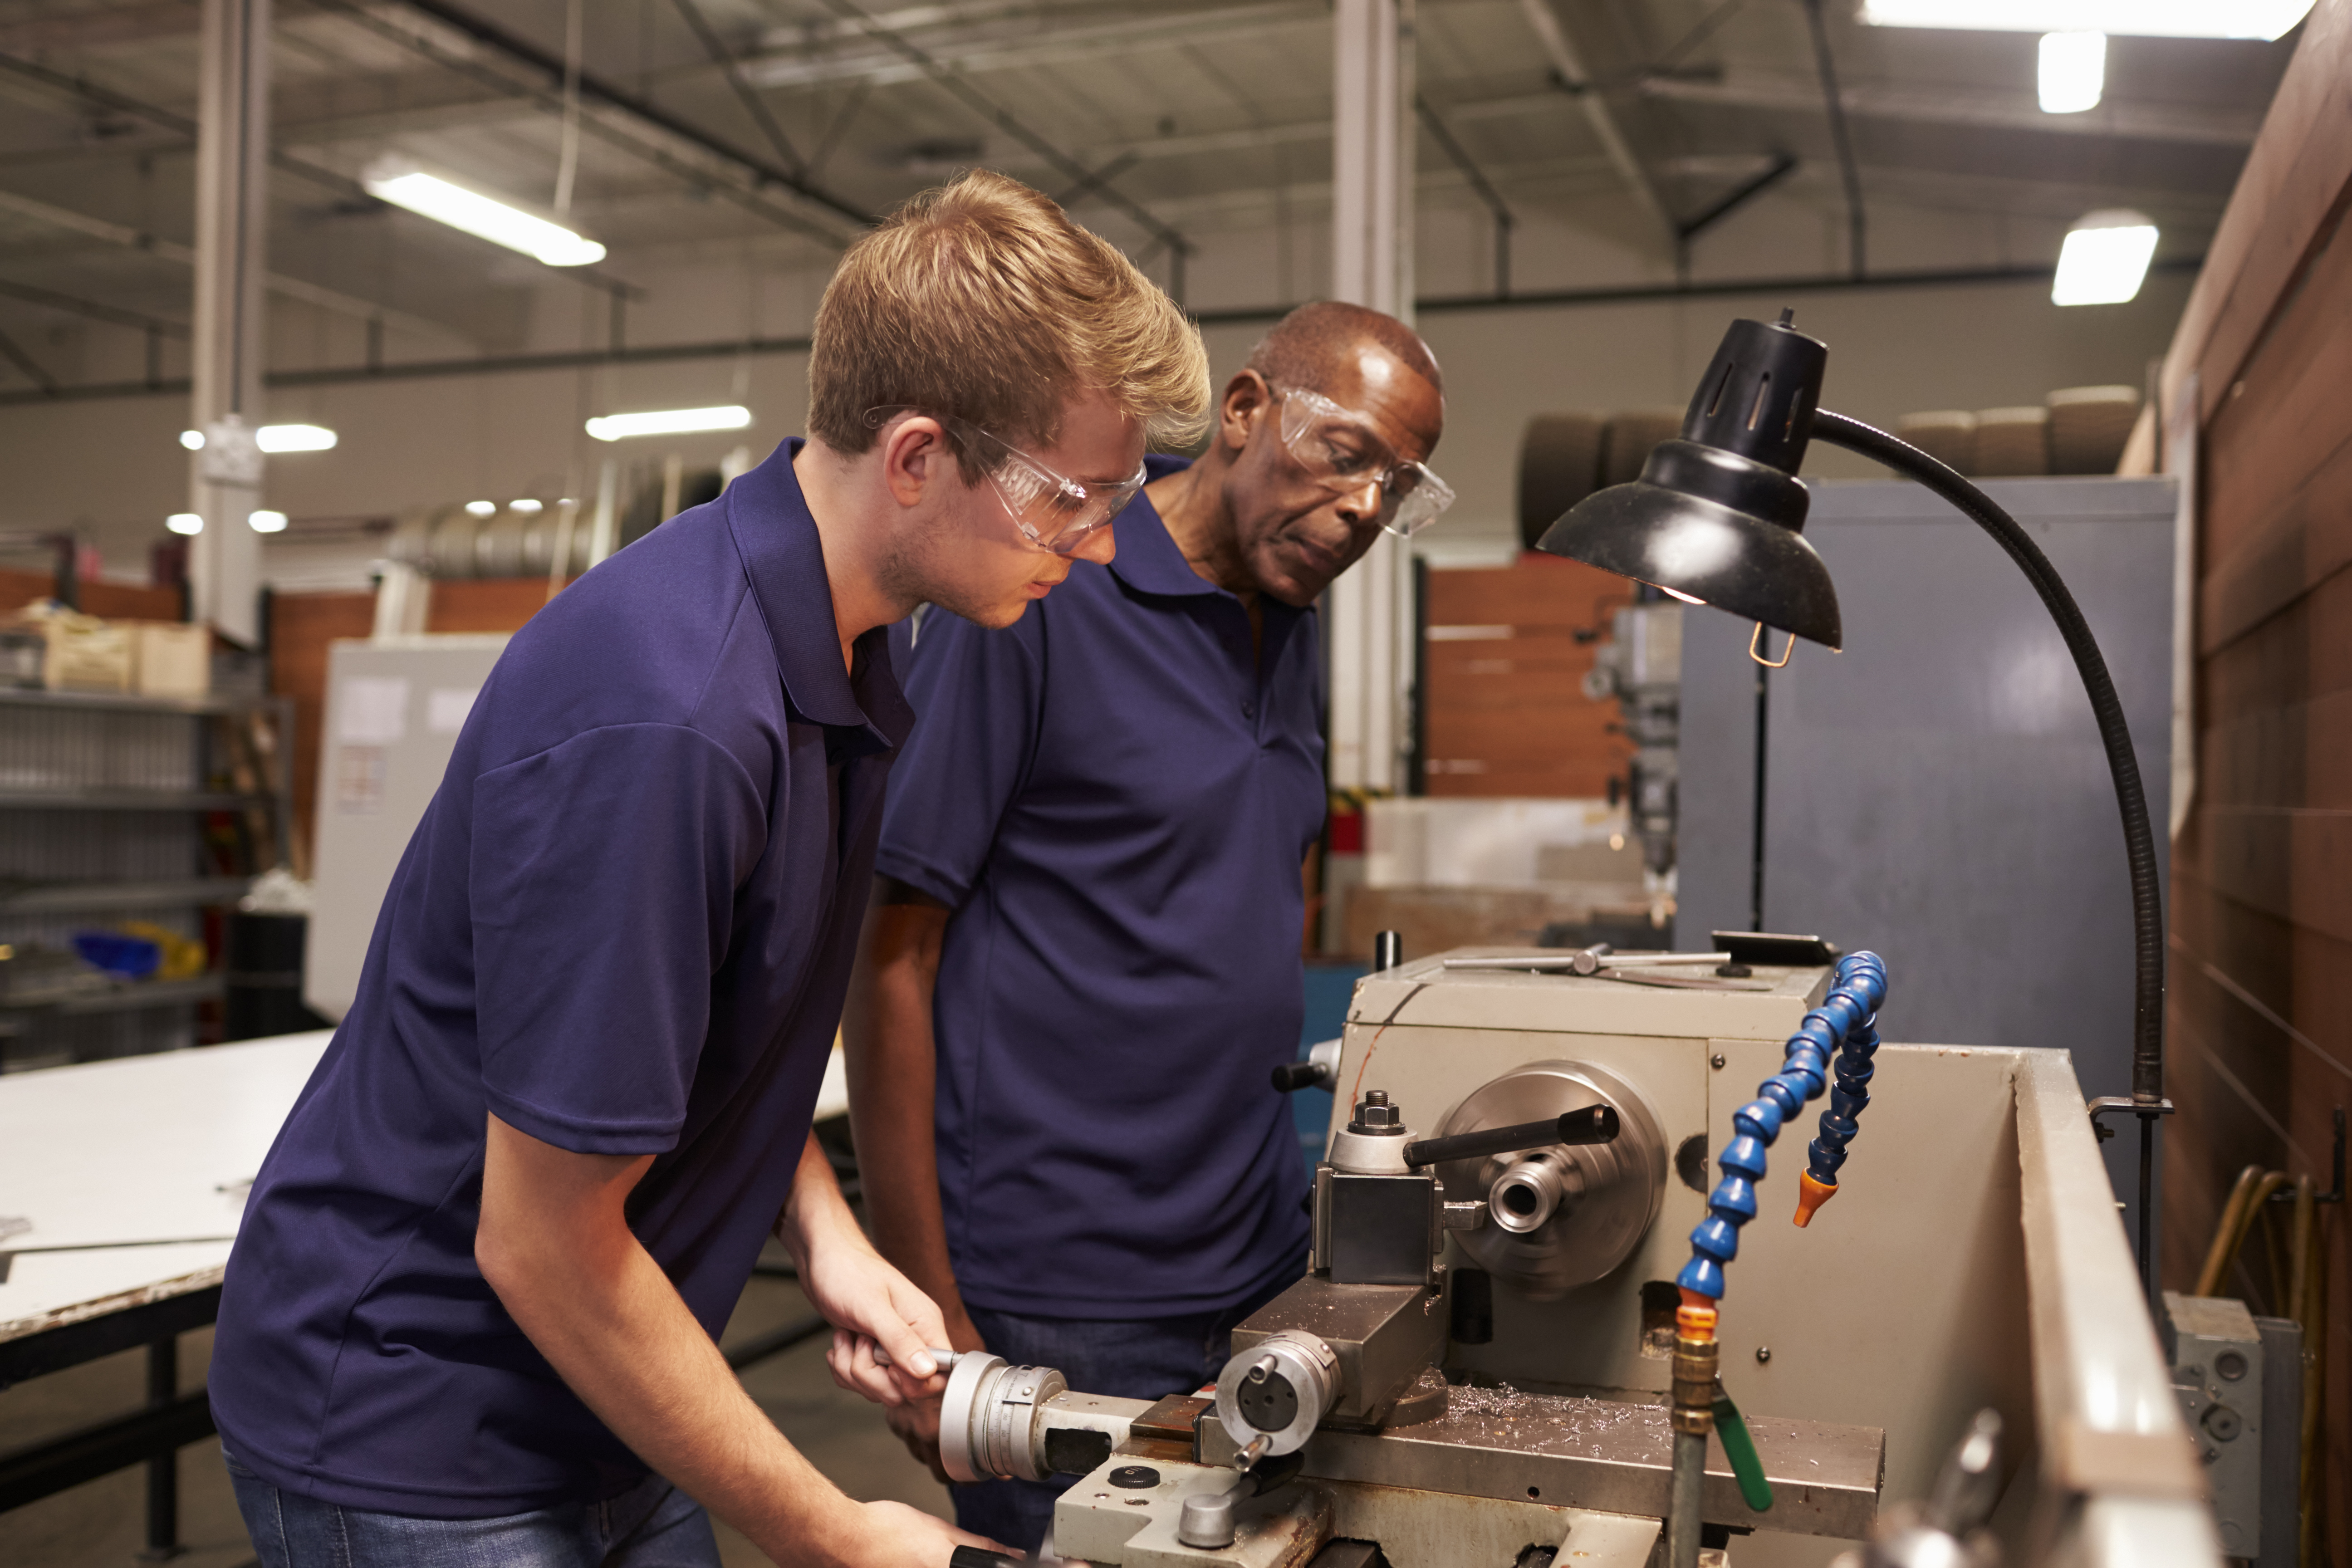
[(1562, 1216)]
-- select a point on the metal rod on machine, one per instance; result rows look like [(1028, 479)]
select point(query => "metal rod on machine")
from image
[(1593, 1124), (1683, 1526)]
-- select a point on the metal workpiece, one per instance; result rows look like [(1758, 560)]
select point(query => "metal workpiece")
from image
[(1613, 1457), (1101, 1519), (1568, 1213), (1382, 1336), (1279, 1389), (999, 1422), (1530, 1191)]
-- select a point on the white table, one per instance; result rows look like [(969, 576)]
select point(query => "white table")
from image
[(144, 1150), (155, 1148)]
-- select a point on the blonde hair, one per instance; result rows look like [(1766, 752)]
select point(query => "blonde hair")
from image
[(981, 299)]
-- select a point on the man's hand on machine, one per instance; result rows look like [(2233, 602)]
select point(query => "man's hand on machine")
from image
[(917, 1422), (873, 1308)]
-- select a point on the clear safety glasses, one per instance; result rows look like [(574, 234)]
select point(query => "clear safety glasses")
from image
[(1337, 449), (1052, 510)]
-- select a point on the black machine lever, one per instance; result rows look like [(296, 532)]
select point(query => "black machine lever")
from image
[(1291, 1077), (977, 1557), (1593, 1124)]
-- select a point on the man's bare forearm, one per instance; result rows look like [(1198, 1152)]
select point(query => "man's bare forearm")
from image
[(893, 1075), (555, 1244)]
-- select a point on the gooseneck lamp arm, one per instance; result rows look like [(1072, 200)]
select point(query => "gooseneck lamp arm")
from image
[(1717, 518), (2148, 1099)]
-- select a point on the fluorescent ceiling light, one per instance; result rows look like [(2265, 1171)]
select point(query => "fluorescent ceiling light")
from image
[(2074, 71), (480, 508), (495, 218), (670, 422), (266, 521), (2139, 18), (2105, 257), (274, 438), (294, 438), (185, 522), (527, 505)]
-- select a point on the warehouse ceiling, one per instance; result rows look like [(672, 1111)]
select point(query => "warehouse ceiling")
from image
[(772, 128)]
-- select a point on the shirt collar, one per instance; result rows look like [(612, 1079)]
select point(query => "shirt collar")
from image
[(777, 541), (1147, 559)]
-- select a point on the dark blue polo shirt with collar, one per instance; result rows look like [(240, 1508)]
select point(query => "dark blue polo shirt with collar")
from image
[(624, 926), (1115, 799)]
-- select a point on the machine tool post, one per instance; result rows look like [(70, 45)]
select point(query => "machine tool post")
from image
[(1693, 1417), (1850, 1008)]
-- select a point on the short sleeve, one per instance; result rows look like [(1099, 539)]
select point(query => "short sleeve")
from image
[(602, 887), (976, 696)]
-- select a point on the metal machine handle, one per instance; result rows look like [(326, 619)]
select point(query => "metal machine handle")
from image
[(1293, 1075), (1318, 1069), (979, 1557), (1593, 1124)]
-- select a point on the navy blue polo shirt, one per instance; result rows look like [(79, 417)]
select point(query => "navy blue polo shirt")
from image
[(624, 926), (1115, 801)]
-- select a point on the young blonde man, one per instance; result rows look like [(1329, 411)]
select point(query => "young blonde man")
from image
[(472, 1312)]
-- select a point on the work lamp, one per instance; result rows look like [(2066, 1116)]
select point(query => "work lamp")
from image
[(1717, 518)]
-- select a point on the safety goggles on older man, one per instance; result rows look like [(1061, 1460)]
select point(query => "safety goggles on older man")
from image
[(1052, 510), (1337, 448)]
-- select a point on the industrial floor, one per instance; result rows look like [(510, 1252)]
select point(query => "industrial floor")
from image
[(102, 1524)]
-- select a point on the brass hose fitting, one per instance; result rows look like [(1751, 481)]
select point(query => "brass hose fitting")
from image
[(1694, 1372)]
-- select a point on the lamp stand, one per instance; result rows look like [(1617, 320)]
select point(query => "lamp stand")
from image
[(2146, 1100)]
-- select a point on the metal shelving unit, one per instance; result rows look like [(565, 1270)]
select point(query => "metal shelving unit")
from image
[(117, 807)]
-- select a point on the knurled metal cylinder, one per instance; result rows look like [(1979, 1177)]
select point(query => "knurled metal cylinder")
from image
[(1694, 1396)]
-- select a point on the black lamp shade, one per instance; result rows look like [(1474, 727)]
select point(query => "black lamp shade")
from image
[(1718, 514)]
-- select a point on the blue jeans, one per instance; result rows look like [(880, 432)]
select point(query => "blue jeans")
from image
[(652, 1525), (1150, 1358)]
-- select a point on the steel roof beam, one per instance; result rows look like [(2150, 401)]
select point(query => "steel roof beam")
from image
[(1012, 50), (1992, 111), (1563, 53), (454, 38), (129, 238)]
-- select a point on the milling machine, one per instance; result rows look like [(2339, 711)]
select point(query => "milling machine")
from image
[(1522, 1305)]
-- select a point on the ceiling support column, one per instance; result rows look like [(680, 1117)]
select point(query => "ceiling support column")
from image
[(1369, 609), (227, 341)]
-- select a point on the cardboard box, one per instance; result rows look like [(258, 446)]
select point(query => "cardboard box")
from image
[(171, 658), (86, 655)]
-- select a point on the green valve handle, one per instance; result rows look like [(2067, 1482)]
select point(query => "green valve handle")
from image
[(1754, 1490)]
